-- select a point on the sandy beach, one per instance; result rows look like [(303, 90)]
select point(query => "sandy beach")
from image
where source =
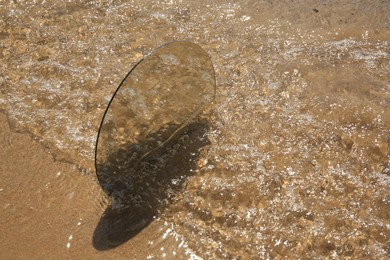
[(292, 159), (47, 214)]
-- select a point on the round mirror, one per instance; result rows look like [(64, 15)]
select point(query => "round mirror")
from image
[(158, 97)]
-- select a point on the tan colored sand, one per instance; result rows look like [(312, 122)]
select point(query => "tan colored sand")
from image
[(46, 205), (299, 159)]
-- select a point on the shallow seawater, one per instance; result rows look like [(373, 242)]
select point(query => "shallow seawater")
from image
[(298, 160)]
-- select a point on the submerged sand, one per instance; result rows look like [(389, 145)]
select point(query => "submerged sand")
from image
[(297, 161)]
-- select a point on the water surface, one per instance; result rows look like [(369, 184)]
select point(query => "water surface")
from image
[(298, 160)]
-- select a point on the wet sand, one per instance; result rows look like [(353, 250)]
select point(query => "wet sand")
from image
[(45, 214), (298, 160)]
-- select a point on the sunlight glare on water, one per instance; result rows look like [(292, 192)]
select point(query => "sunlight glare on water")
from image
[(298, 162)]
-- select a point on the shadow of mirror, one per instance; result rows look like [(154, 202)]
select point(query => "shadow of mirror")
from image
[(140, 195), (150, 137)]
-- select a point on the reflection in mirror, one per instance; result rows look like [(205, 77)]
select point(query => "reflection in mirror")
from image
[(150, 138)]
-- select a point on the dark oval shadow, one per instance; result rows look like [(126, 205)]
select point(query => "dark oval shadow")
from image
[(139, 196)]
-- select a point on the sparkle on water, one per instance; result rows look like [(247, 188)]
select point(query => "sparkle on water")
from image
[(297, 163)]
